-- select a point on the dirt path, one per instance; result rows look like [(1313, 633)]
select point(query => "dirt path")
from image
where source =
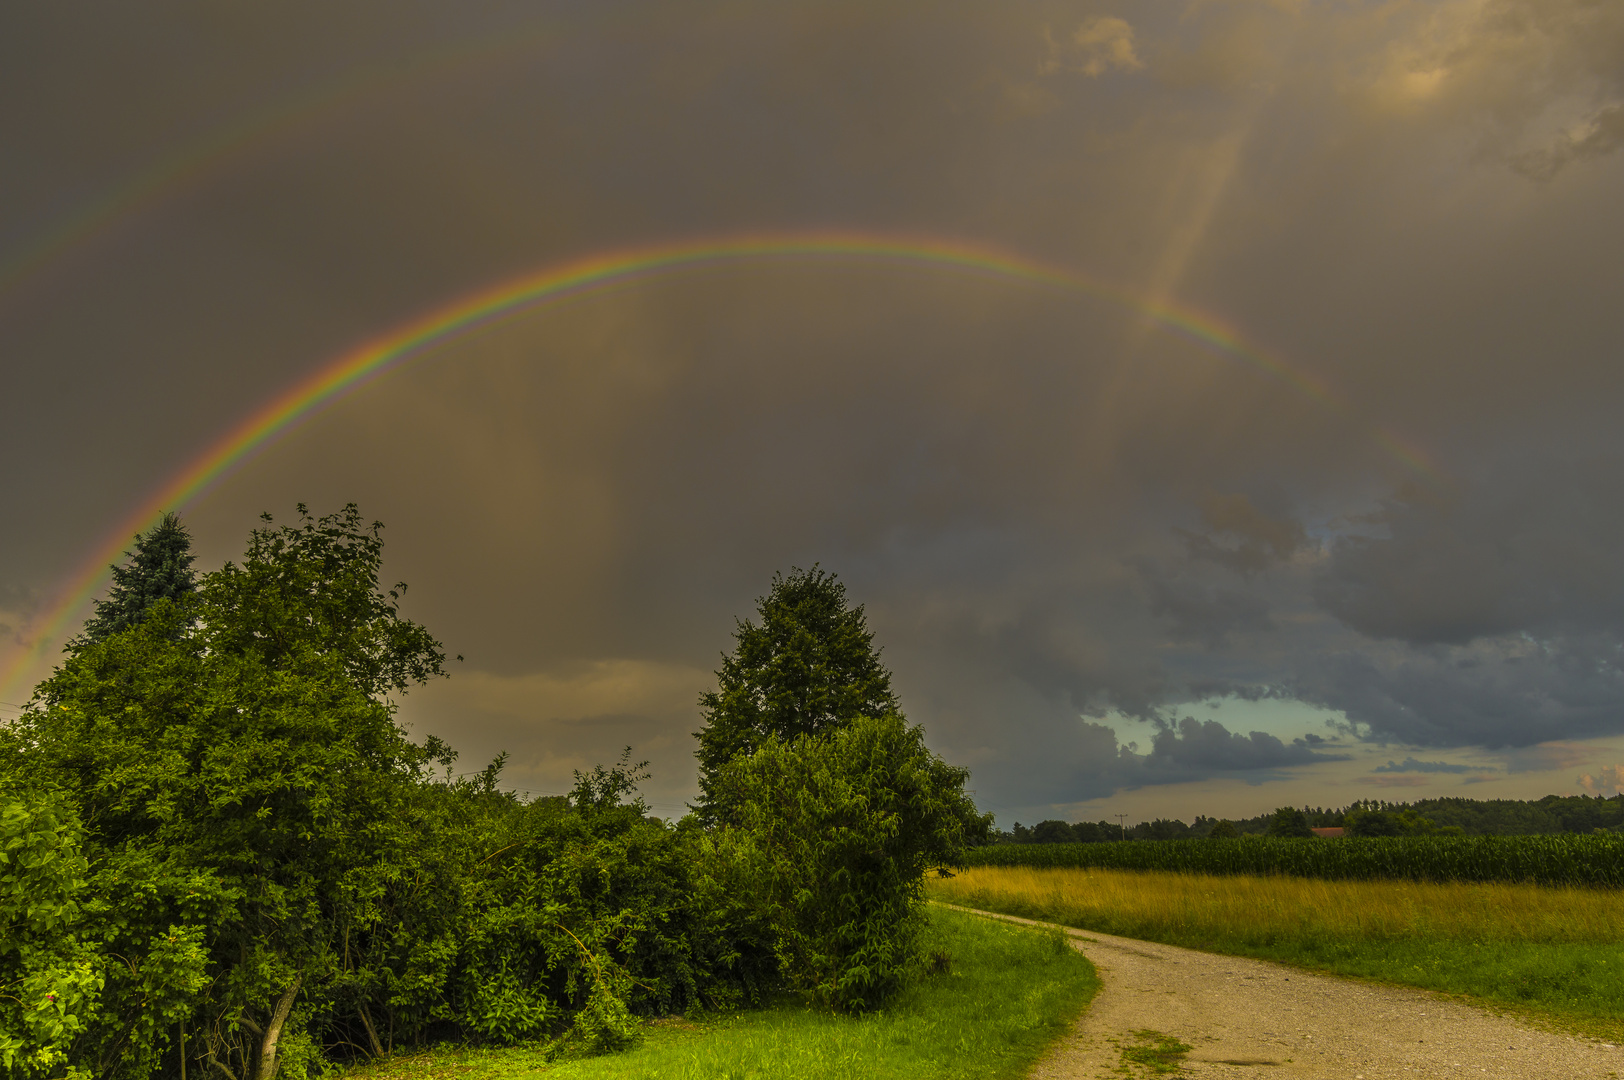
[(1252, 1018)]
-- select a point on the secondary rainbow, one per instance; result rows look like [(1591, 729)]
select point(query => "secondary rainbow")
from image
[(195, 162), (413, 339)]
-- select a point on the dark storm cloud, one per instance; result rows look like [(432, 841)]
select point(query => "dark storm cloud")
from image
[(1496, 692), (1200, 748), (1057, 511), (1242, 537), (1502, 606), (1530, 547), (1181, 751), (1207, 614)]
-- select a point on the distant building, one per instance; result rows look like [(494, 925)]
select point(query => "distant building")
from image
[(1329, 834)]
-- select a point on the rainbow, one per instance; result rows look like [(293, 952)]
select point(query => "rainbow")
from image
[(375, 358)]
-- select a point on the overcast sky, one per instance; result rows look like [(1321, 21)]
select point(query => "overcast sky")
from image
[(1114, 570)]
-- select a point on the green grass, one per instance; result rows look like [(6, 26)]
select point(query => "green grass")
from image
[(1155, 1052), (1010, 991), (1551, 953)]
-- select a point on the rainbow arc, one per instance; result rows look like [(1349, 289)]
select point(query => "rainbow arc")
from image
[(420, 336)]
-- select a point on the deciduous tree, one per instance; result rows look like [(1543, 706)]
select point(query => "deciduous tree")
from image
[(234, 756)]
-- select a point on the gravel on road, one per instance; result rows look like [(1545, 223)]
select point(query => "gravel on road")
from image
[(1243, 1018)]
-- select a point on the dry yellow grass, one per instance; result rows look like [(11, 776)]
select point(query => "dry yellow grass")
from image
[(1190, 908)]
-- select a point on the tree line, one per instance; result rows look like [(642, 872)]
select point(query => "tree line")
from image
[(1551, 815), (221, 855)]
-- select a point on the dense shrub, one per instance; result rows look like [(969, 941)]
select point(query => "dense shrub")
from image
[(519, 921), (845, 826), (1596, 860)]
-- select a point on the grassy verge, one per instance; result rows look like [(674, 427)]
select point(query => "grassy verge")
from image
[(1549, 952), (1009, 992)]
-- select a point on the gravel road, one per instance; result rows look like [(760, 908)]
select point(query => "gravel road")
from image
[(1252, 1018)]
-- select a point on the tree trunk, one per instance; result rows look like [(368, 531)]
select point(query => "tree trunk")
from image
[(372, 1032), (273, 1032)]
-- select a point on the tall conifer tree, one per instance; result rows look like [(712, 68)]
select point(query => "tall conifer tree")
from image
[(808, 668), (160, 568)]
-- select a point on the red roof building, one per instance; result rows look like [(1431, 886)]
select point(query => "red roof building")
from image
[(1329, 834)]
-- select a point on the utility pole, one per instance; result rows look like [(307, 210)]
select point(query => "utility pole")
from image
[(1122, 823)]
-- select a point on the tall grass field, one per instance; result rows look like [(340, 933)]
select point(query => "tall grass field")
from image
[(1006, 994), (1565, 859), (1557, 952)]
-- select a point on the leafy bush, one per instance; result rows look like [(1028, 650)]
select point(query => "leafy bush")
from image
[(1596, 860), (514, 922), (50, 980), (845, 826)]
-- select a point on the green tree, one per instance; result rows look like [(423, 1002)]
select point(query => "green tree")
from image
[(1053, 832), (807, 668), (160, 568), (49, 978), (1223, 830), (245, 790), (1290, 821), (845, 825)]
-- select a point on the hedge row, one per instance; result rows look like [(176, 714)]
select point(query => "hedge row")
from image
[(1589, 860)]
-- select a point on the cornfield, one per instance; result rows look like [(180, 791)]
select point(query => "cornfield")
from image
[(1570, 859)]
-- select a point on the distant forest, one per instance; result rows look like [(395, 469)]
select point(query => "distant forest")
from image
[(1472, 817)]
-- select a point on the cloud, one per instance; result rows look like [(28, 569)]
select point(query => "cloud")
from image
[(1398, 781), (1516, 71), (1549, 757), (1606, 782), (1410, 764), (1206, 614), (554, 723), (1205, 748), (1528, 547), (1103, 43), (1600, 135), (1497, 692), (1242, 537)]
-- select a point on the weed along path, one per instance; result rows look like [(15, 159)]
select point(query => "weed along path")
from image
[(1166, 1010)]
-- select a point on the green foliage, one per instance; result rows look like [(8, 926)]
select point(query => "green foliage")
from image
[(1594, 860), (50, 980), (808, 668), (1053, 832), (272, 870), (1009, 995), (244, 791), (160, 568), (1290, 821), (513, 922), (1407, 822), (846, 825), (1223, 830)]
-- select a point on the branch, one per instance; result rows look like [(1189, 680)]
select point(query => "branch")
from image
[(218, 1064)]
